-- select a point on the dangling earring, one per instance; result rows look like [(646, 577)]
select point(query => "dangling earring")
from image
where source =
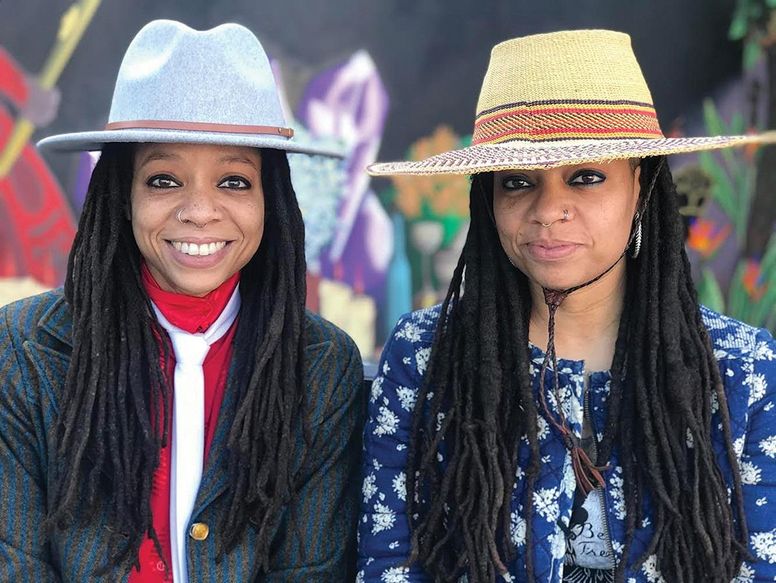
[(637, 240)]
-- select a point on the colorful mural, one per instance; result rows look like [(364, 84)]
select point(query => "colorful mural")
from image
[(378, 250), (38, 219)]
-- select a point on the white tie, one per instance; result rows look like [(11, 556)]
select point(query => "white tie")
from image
[(188, 424)]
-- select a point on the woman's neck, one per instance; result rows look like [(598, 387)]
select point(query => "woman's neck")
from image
[(586, 323)]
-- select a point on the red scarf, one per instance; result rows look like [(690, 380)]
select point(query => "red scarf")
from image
[(193, 314)]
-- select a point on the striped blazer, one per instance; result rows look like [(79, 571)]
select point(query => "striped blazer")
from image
[(317, 545)]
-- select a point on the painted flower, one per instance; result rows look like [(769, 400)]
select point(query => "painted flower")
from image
[(752, 280), (706, 237)]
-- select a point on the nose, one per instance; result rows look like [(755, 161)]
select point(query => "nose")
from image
[(550, 205), (199, 207)]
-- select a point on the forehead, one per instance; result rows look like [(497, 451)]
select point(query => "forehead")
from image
[(196, 153)]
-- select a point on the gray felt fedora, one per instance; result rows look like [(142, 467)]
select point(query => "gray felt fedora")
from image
[(177, 84)]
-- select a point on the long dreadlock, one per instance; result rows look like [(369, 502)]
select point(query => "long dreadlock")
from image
[(665, 384), (116, 398)]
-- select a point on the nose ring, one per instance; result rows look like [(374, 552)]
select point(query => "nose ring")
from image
[(564, 219), (178, 216)]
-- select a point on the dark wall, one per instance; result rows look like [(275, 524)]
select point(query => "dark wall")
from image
[(431, 53)]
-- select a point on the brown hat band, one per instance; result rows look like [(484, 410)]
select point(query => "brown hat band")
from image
[(155, 124), (541, 121)]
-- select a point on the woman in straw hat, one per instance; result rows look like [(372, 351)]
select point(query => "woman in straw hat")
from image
[(570, 413), (174, 414)]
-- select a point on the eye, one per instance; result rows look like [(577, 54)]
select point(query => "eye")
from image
[(162, 181), (235, 183), (585, 177), (516, 182)]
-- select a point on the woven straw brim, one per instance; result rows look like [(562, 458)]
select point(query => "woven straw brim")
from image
[(534, 156)]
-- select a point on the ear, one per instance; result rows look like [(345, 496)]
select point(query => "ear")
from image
[(637, 196)]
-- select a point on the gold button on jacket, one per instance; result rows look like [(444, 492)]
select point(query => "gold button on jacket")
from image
[(199, 531)]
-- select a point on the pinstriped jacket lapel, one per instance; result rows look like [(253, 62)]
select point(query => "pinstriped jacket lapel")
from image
[(214, 478), (51, 358)]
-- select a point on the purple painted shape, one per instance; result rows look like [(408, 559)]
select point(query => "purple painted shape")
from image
[(350, 103), (86, 163)]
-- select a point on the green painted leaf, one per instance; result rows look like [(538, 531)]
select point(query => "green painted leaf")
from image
[(709, 292), (722, 189), (752, 54), (711, 117)]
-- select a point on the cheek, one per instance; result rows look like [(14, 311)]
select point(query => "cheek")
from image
[(508, 219), (252, 225)]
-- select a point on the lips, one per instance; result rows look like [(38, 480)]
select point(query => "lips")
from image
[(551, 250)]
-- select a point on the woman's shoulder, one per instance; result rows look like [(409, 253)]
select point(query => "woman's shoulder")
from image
[(733, 339), (416, 329), (47, 311), (319, 330), (408, 346)]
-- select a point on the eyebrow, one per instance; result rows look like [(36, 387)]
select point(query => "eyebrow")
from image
[(240, 160), (161, 155), (157, 155)]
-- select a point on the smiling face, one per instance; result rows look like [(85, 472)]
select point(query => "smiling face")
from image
[(558, 249), (217, 193)]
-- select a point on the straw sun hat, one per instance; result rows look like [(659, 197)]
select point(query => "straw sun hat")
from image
[(176, 84), (562, 98)]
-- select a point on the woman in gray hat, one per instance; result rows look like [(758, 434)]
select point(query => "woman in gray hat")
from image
[(174, 413), (570, 413)]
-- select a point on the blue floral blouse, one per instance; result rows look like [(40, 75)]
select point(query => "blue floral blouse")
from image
[(747, 360)]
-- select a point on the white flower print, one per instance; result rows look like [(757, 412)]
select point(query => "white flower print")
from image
[(761, 501), (407, 397), (763, 352), (410, 331), (616, 492), (360, 577), (569, 484), (558, 542), (768, 407), (768, 446), (377, 389), (517, 529), (440, 419), (618, 547), (738, 445), (396, 575), (421, 359), (649, 568), (400, 485), (764, 545), (383, 518), (546, 503), (387, 422), (746, 575), (758, 385), (542, 427), (369, 488), (750, 473)]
